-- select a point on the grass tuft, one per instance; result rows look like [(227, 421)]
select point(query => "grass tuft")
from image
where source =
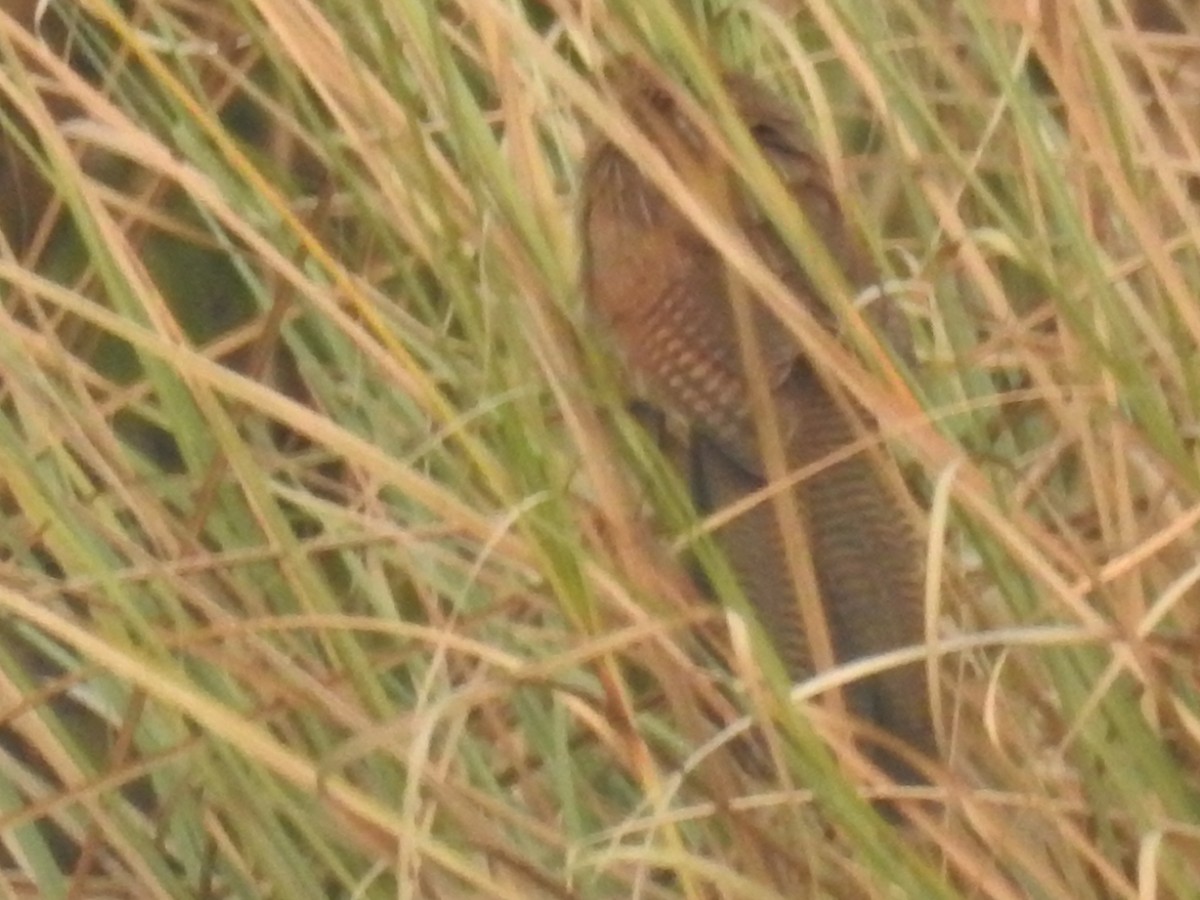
[(332, 564)]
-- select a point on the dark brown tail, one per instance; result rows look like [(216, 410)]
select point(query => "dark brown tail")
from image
[(867, 562)]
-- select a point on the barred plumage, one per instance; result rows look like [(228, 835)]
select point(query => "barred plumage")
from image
[(663, 290)]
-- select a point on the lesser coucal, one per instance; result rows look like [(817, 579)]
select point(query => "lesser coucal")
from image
[(665, 293)]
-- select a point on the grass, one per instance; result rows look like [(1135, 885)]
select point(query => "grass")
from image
[(333, 565)]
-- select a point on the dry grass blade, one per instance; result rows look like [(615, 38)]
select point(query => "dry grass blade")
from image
[(331, 563)]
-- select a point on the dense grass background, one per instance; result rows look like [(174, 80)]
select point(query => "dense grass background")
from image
[(332, 565)]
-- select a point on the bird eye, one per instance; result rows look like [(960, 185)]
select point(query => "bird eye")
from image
[(660, 101), (770, 137)]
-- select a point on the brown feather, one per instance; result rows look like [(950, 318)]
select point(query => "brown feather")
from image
[(663, 291)]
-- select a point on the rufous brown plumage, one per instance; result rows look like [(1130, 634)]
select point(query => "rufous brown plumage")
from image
[(664, 293)]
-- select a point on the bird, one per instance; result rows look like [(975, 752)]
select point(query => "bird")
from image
[(662, 292)]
